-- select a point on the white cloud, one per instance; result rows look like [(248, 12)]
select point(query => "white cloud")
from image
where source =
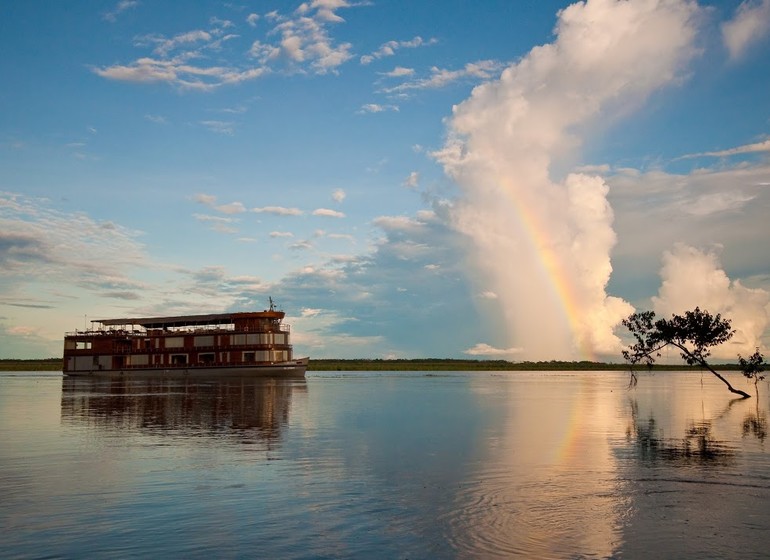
[(206, 199), (157, 119), (211, 202), (52, 258), (399, 72), (694, 278), (278, 211), (756, 147), (704, 207), (439, 77), (303, 245), (305, 42), (413, 180), (278, 234), (398, 223), (120, 7), (338, 195), (252, 19), (483, 349), (607, 57), (328, 213), (180, 60), (390, 48), (213, 219), (750, 24), (377, 108), (232, 208), (220, 127)]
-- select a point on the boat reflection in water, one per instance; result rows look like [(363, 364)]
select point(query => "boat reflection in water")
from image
[(248, 410)]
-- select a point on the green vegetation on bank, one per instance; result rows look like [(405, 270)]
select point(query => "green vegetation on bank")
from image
[(439, 364), (423, 364), (49, 364)]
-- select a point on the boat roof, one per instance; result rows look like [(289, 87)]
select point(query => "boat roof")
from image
[(190, 320)]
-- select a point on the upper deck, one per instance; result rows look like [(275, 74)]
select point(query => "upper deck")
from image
[(255, 322)]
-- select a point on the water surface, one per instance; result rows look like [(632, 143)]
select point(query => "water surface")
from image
[(388, 465)]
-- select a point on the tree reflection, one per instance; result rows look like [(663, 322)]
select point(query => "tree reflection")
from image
[(697, 446), (755, 424)]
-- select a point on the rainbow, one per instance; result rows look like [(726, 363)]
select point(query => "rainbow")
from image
[(553, 271)]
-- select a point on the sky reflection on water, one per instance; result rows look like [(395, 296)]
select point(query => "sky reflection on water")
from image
[(401, 465)]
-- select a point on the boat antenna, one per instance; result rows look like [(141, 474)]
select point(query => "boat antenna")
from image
[(272, 307)]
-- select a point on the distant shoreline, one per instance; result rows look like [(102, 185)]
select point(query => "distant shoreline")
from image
[(419, 364)]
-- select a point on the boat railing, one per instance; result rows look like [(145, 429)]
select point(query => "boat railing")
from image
[(282, 328)]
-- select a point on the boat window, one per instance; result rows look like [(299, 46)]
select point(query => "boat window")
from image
[(178, 359)]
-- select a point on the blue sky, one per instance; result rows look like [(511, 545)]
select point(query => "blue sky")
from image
[(406, 179)]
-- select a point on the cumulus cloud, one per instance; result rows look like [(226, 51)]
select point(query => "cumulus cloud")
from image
[(305, 42), (296, 42), (544, 245), (400, 269), (725, 205), (750, 24), (695, 278)]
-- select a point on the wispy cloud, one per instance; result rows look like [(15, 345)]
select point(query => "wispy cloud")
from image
[(211, 201), (440, 77), (120, 7), (376, 108), (482, 349), (278, 211), (66, 249), (390, 48), (750, 24), (220, 127), (157, 119), (756, 147), (398, 72)]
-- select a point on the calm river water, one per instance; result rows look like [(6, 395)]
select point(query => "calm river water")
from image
[(384, 465)]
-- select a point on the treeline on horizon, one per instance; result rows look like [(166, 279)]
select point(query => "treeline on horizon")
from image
[(415, 364)]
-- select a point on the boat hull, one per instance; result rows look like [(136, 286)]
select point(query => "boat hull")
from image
[(290, 369)]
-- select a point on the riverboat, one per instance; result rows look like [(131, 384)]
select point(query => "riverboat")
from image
[(241, 344)]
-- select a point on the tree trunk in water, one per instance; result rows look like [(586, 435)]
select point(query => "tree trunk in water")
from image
[(726, 382)]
